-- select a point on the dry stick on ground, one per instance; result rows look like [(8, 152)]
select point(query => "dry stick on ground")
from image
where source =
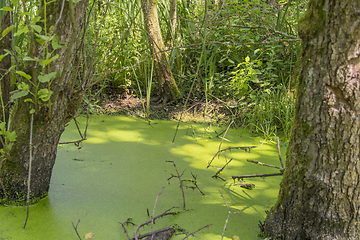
[(153, 233), (75, 228), (192, 234), (167, 212), (179, 177), (29, 174), (229, 149), (227, 219)]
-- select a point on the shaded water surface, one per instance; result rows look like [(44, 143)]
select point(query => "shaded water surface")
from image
[(121, 168)]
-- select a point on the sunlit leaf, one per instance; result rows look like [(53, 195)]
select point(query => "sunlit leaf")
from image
[(7, 9), (32, 111), (36, 28), (24, 29), (11, 136), (47, 77), (45, 62), (44, 94), (21, 73), (7, 30)]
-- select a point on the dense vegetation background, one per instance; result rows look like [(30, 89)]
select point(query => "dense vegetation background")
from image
[(239, 55)]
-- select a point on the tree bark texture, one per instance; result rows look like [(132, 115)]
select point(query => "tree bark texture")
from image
[(319, 194), (49, 123), (167, 85)]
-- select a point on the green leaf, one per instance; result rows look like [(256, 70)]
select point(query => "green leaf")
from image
[(21, 73), (7, 9), (45, 62), (36, 28), (24, 29), (7, 30), (32, 111), (55, 43), (24, 13), (247, 59), (28, 100), (2, 127), (29, 59), (14, 2), (11, 136), (44, 94), (35, 20), (2, 56), (20, 94), (47, 77)]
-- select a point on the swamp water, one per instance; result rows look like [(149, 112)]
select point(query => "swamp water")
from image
[(120, 170)]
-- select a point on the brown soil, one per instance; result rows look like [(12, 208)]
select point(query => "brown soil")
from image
[(129, 105)]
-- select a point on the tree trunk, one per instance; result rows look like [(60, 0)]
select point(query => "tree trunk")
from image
[(167, 86), (319, 195), (49, 123)]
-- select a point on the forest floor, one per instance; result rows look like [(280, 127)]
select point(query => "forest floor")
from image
[(216, 110)]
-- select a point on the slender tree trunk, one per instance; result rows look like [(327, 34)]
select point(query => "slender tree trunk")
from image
[(49, 123), (167, 86), (319, 195), (172, 31)]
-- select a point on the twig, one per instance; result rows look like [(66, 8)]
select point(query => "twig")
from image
[(264, 164), (278, 146), (29, 173), (220, 170), (179, 177), (75, 228), (230, 148), (153, 233), (125, 223), (156, 217), (256, 175), (222, 138), (192, 234), (228, 216), (153, 213), (193, 181)]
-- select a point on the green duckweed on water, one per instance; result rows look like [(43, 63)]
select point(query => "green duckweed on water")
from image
[(121, 168)]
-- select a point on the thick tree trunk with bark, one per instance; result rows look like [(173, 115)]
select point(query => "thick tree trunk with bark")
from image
[(49, 123), (167, 86), (320, 192)]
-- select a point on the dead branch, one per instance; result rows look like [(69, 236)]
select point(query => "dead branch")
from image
[(221, 169), (128, 221), (228, 216), (193, 181), (167, 212), (154, 232), (263, 164), (278, 146), (153, 213), (256, 175), (75, 228), (222, 138), (179, 177), (229, 149), (192, 234)]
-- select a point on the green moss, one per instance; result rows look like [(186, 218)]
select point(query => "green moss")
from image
[(313, 20)]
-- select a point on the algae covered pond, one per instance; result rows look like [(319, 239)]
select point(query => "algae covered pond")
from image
[(121, 168)]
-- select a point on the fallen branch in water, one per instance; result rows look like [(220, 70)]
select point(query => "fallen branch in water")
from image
[(179, 177), (256, 175), (75, 228), (229, 149), (192, 234), (167, 212), (221, 169)]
